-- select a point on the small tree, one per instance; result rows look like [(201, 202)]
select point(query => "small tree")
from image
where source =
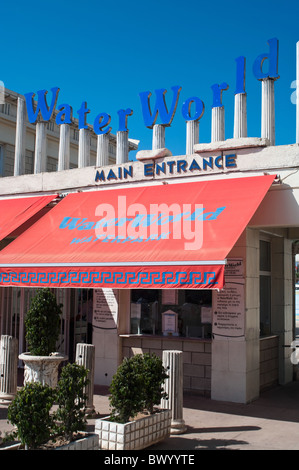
[(30, 413), (42, 323), (71, 400), (137, 385), (154, 376), (126, 399)]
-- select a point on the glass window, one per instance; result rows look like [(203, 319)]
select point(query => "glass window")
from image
[(171, 312), (265, 288)]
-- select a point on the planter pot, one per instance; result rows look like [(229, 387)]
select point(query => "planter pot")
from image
[(43, 369), (89, 442), (134, 435)]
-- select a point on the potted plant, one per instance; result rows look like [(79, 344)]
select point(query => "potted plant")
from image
[(136, 420), (30, 413), (40, 426), (42, 326)]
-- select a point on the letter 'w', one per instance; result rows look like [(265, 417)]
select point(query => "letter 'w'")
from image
[(160, 106), (46, 111)]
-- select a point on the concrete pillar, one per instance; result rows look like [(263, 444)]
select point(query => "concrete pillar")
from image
[(85, 356), (192, 136), (40, 156), (268, 110), (158, 141), (122, 147), (64, 148), (19, 166), (173, 363), (84, 148), (240, 121), (8, 367), (102, 150), (218, 131)]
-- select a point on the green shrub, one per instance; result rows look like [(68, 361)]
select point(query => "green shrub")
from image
[(71, 400), (137, 385), (30, 413), (154, 376), (42, 323)]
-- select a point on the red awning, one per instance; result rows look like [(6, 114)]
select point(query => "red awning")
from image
[(162, 236), (14, 212)]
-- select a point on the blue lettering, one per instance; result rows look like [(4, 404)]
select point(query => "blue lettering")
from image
[(170, 164), (111, 175), (206, 163), (217, 160), (230, 161), (240, 81), (217, 94), (160, 107), (181, 165), (100, 176), (123, 119), (160, 168), (128, 172), (101, 121), (41, 106), (199, 109), (71, 222), (149, 169), (82, 115), (66, 111), (272, 57), (194, 165)]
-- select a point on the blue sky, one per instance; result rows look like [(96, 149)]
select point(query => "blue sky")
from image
[(106, 53)]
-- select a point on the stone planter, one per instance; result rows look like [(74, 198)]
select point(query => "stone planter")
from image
[(89, 442), (43, 369), (134, 435)]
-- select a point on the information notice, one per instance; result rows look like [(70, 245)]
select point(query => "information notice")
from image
[(105, 307), (229, 310)]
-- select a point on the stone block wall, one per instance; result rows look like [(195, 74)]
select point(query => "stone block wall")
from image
[(196, 357)]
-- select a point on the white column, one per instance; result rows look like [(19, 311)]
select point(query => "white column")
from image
[(64, 148), (268, 110), (40, 147), (192, 136), (218, 133), (158, 141), (85, 356), (103, 150), (20, 138), (173, 363), (122, 147), (8, 367), (240, 121), (84, 148)]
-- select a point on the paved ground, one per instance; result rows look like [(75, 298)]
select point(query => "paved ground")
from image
[(269, 423)]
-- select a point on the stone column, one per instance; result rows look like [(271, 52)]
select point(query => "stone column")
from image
[(20, 138), (40, 147), (8, 367), (102, 150), (192, 136), (64, 147), (158, 141), (84, 148), (218, 132), (122, 147), (85, 356), (240, 121), (173, 363), (268, 110)]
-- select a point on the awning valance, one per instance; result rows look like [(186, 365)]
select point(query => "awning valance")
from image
[(163, 236)]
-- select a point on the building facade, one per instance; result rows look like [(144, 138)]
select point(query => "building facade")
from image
[(231, 307)]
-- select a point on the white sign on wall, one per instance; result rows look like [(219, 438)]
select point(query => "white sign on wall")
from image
[(229, 310), (105, 307)]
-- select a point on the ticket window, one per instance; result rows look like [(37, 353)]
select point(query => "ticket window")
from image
[(175, 312)]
